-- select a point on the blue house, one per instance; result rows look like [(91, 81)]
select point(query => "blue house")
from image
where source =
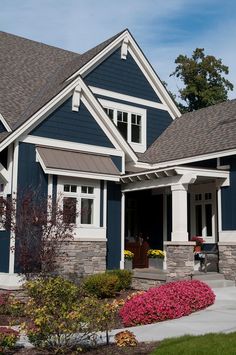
[(100, 129)]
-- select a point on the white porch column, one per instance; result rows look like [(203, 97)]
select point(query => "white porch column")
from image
[(179, 213), (122, 259)]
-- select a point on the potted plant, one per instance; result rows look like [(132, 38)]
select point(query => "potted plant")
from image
[(199, 241), (128, 259), (156, 258)]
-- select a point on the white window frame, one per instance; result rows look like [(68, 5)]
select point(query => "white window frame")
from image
[(202, 190), (84, 231), (115, 106)]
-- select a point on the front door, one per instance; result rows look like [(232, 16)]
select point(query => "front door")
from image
[(203, 212)]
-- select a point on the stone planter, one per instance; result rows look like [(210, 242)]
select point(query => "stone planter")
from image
[(156, 263), (128, 264)]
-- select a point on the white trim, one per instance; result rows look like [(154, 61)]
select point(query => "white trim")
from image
[(5, 124), (181, 161), (76, 98), (14, 191), (124, 48), (127, 98), (4, 173), (227, 237), (50, 186), (122, 259), (143, 64), (219, 210), (9, 168), (56, 143), (115, 106), (105, 204)]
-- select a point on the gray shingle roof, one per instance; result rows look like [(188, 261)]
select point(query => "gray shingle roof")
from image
[(200, 132), (32, 73)]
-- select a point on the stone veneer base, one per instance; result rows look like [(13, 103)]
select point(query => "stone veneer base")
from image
[(179, 260), (227, 260), (83, 258)]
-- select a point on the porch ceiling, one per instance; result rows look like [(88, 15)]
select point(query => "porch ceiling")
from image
[(171, 176)]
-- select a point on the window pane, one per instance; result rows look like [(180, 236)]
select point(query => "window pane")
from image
[(69, 210), (86, 211), (125, 117), (90, 190), (208, 212), (135, 134), (133, 118), (119, 116), (208, 196), (84, 189), (67, 188), (122, 127), (73, 188), (198, 212)]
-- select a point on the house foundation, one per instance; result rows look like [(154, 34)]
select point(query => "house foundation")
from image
[(179, 260)]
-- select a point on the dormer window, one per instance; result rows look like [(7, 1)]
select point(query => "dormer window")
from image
[(130, 121)]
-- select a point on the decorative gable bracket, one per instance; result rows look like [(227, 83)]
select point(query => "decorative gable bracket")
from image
[(124, 48), (76, 98)]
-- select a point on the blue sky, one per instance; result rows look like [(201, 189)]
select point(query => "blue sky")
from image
[(163, 28)]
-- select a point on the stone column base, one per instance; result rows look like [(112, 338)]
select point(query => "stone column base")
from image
[(227, 259), (179, 260), (82, 258)]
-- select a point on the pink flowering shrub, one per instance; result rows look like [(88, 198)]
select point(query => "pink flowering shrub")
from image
[(168, 301)]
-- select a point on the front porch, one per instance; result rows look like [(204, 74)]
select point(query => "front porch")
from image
[(165, 208)]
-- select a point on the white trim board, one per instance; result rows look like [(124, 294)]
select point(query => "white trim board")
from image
[(56, 143), (170, 163), (128, 99), (5, 124)]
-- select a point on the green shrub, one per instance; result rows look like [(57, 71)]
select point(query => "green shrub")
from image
[(58, 310), (103, 285), (125, 278)]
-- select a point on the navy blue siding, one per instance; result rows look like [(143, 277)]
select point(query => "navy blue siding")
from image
[(117, 161), (68, 125), (3, 157), (31, 179), (123, 76), (157, 120), (228, 197), (4, 251), (113, 225), (2, 128), (210, 163)]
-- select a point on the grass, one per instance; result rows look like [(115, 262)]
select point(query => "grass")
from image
[(210, 344)]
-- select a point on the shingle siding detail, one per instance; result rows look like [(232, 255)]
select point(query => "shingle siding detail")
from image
[(79, 127), (123, 76)]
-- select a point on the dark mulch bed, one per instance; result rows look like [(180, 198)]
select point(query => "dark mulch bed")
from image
[(141, 348)]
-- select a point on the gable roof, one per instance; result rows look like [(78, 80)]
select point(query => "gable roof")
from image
[(32, 73), (208, 130)]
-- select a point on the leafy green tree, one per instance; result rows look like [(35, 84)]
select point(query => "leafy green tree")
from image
[(203, 78)]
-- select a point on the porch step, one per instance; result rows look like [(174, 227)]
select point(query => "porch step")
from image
[(214, 279)]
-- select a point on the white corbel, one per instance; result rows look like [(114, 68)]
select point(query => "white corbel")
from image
[(124, 48), (4, 173), (76, 98)]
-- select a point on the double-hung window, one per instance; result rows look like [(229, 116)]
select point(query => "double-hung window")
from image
[(130, 121)]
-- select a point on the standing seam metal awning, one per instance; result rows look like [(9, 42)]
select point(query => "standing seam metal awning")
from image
[(77, 163)]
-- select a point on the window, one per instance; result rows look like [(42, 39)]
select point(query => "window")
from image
[(204, 214), (81, 204), (130, 121)]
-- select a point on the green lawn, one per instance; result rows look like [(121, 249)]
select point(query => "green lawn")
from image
[(210, 344)]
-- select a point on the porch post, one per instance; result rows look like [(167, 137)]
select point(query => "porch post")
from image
[(179, 213)]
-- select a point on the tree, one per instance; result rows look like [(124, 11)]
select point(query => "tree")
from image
[(203, 78), (41, 228)]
